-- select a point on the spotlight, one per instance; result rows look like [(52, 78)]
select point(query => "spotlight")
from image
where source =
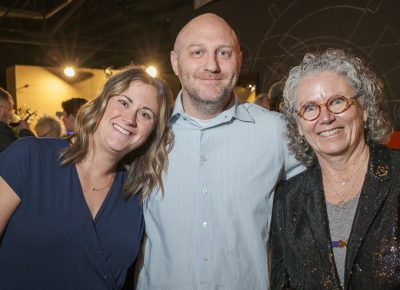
[(151, 70), (251, 87), (69, 71)]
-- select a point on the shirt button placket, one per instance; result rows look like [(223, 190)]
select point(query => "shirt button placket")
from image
[(204, 206)]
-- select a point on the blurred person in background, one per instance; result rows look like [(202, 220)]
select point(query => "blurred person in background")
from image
[(48, 126), (336, 225), (9, 134), (273, 99), (70, 110), (262, 100), (275, 96)]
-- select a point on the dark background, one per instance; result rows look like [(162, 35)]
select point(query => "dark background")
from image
[(274, 34)]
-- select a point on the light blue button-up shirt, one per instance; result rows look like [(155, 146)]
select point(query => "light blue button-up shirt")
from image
[(210, 228)]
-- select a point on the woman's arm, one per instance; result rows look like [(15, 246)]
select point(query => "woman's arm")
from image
[(9, 201)]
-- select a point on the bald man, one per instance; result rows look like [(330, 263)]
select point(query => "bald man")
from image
[(210, 227)]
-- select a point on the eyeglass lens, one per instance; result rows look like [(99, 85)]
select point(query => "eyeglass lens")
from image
[(335, 105)]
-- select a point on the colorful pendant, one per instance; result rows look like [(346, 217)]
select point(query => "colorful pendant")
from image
[(339, 244)]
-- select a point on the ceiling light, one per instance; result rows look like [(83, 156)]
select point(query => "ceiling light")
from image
[(69, 71), (151, 70)]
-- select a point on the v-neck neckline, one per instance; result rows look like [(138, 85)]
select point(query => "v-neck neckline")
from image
[(96, 217)]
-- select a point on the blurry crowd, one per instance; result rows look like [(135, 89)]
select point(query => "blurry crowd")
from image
[(13, 126)]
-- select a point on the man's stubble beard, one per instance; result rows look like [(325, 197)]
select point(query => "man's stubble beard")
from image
[(207, 106)]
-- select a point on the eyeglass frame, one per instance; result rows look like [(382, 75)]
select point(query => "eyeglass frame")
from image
[(349, 102)]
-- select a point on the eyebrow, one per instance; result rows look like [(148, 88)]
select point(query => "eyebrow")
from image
[(131, 101), (219, 46)]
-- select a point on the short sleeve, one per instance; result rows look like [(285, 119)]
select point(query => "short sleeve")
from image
[(15, 164)]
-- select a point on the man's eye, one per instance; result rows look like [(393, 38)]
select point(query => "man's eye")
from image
[(225, 53), (197, 52)]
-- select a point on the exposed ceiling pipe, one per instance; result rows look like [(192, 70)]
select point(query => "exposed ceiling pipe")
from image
[(33, 15), (67, 16), (199, 3)]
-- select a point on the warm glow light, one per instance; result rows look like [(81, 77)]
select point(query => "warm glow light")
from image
[(251, 87), (69, 71), (151, 70)]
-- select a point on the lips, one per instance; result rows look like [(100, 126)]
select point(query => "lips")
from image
[(122, 130), (210, 77), (328, 133)]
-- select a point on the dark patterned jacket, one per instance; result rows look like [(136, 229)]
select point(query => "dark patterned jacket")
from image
[(302, 256)]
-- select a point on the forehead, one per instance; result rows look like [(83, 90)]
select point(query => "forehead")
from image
[(144, 94), (323, 84), (137, 86), (207, 33)]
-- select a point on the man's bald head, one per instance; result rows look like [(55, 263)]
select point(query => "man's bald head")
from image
[(202, 22)]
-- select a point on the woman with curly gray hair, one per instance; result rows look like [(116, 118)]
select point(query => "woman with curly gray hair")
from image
[(336, 225)]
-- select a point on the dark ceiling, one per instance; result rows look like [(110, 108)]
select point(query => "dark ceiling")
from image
[(87, 33), (274, 34)]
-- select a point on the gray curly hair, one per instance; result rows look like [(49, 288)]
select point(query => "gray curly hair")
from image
[(364, 82)]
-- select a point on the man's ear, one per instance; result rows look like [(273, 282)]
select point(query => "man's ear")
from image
[(174, 62), (240, 57)]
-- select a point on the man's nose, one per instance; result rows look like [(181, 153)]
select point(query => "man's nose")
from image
[(212, 63)]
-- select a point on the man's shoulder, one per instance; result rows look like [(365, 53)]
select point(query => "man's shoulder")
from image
[(292, 186), (261, 114)]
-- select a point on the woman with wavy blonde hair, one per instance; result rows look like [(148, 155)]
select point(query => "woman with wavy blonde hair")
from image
[(72, 208)]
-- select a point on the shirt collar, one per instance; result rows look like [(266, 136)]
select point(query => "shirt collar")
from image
[(237, 111)]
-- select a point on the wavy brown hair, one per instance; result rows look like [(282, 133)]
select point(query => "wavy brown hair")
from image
[(146, 164), (364, 82)]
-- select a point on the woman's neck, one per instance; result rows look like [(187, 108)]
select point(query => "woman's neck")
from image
[(97, 163), (340, 168), (343, 177)]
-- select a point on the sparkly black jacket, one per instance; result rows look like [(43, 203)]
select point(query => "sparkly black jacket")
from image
[(302, 256)]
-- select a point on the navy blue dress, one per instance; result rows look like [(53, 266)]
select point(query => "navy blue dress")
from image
[(51, 241)]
